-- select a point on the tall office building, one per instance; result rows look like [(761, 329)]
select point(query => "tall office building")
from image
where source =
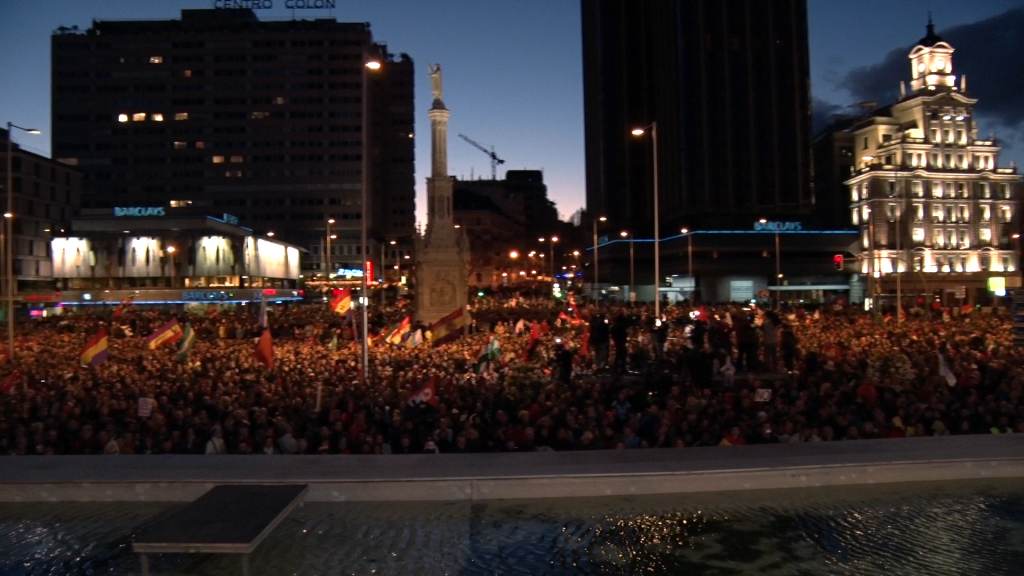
[(727, 82), (220, 112)]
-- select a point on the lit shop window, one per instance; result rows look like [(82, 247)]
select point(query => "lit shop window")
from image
[(122, 117), (237, 159), (200, 144), (158, 117), (156, 59), (139, 117), (181, 116), (218, 159), (180, 145)]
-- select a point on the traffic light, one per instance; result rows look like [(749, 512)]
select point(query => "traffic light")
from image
[(837, 261)]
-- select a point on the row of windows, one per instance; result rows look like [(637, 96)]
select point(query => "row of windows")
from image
[(939, 189), (940, 213)]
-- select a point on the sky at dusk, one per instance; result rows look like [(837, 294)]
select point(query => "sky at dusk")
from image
[(513, 69)]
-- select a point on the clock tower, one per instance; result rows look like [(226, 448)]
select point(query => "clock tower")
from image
[(931, 62)]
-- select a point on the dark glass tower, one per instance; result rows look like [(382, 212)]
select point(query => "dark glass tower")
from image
[(727, 82)]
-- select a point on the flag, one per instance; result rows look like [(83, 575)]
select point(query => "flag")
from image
[(520, 326), (263, 312), (585, 346), (450, 327), (401, 302), (966, 309), (492, 352), (427, 394), (414, 339), (95, 350), (265, 350), (8, 385), (534, 338), (572, 301), (944, 370), (342, 302), (188, 338), (396, 335), (125, 303), (166, 334), (333, 345), (903, 314)]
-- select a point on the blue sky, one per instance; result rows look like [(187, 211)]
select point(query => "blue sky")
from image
[(513, 76)]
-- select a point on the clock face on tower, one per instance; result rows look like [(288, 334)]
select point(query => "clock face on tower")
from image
[(940, 64), (920, 67)]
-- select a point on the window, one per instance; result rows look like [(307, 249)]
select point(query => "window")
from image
[(855, 192), (918, 212), (278, 100), (891, 187), (950, 190), (960, 161), (918, 235), (961, 190), (138, 117), (937, 213), (180, 145), (939, 239), (935, 160), (965, 241), (1006, 264), (259, 115), (986, 260), (855, 216), (985, 191), (949, 161), (915, 189), (181, 115), (935, 134), (1004, 191), (156, 59), (936, 189), (962, 214), (1005, 214), (237, 159), (986, 213), (200, 145), (233, 174), (950, 214), (891, 212), (951, 238), (218, 159), (886, 137), (158, 117), (985, 234), (122, 117), (960, 137)]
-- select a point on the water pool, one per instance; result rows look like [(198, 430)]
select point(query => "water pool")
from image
[(928, 529)]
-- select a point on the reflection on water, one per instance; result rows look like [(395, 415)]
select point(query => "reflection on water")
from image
[(921, 529)]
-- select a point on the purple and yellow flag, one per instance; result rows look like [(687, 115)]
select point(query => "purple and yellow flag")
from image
[(95, 350), (166, 334)]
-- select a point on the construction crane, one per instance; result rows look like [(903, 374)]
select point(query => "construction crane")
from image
[(494, 157)]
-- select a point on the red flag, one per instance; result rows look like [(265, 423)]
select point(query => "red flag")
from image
[(966, 309), (265, 350), (544, 328), (585, 346), (7, 387), (534, 337), (426, 394)]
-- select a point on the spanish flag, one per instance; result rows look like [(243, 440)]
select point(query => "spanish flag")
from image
[(396, 335), (166, 334), (265, 350), (95, 350), (342, 301)]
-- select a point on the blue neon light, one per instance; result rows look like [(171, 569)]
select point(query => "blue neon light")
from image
[(610, 242)]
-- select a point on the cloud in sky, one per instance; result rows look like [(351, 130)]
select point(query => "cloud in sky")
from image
[(987, 51)]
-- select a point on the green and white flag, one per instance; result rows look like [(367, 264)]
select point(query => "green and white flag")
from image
[(188, 338), (491, 353)]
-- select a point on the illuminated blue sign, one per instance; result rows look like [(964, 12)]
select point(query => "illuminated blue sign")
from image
[(205, 295), (778, 226), (137, 211), (350, 272), (230, 219)]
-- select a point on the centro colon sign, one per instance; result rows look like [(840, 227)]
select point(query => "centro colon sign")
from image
[(269, 4), (136, 211), (778, 226)]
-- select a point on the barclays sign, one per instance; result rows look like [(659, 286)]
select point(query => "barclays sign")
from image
[(778, 226), (139, 211)]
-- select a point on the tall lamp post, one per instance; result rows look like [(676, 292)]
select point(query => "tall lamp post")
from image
[(657, 240), (778, 266), (596, 275), (553, 239), (370, 62), (632, 267), (689, 256), (327, 250), (170, 251), (9, 235)]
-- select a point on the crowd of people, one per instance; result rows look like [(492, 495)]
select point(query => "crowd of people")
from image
[(606, 376)]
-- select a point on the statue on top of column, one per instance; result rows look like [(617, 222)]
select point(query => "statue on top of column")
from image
[(435, 81)]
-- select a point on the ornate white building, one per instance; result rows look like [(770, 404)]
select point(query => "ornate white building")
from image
[(928, 194)]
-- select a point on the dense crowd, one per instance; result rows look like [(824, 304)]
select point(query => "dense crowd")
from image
[(601, 377)]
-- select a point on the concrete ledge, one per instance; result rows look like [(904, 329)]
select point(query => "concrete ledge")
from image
[(505, 476)]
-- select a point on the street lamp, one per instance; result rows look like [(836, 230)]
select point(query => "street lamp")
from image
[(689, 256), (370, 63), (171, 250), (657, 241), (632, 282), (778, 265), (270, 234), (327, 250), (8, 234), (551, 261), (596, 276)]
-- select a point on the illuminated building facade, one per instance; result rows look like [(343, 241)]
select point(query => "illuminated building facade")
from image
[(932, 204)]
